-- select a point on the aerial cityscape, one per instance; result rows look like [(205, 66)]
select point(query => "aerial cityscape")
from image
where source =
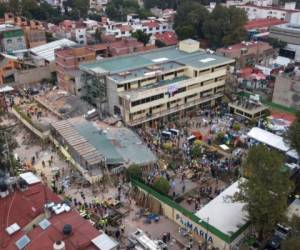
[(149, 125)]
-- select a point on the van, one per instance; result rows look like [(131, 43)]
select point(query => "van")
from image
[(191, 139), (166, 135), (174, 131)]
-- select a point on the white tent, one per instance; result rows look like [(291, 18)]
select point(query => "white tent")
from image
[(272, 140), (6, 89), (104, 242), (223, 213)]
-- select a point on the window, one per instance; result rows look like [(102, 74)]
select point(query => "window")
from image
[(9, 41), (20, 40), (80, 36)]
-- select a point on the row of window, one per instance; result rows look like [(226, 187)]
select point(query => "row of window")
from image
[(180, 90), (127, 86)]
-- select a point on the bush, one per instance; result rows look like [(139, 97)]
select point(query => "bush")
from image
[(161, 185), (220, 136), (134, 172), (168, 146), (236, 126), (196, 151)]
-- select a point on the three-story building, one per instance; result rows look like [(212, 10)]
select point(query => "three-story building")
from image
[(147, 86)]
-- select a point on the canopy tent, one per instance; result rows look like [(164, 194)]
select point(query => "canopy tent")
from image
[(6, 89), (272, 140)]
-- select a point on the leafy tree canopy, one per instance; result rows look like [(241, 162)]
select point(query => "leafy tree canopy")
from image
[(293, 134), (266, 190), (162, 185), (141, 36)]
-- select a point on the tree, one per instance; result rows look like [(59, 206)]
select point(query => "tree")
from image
[(225, 26), (141, 36), (293, 134), (14, 6), (7, 145), (3, 8), (189, 19), (82, 7), (118, 9), (134, 172), (161, 185), (184, 32), (98, 35), (159, 44), (276, 43), (266, 190)]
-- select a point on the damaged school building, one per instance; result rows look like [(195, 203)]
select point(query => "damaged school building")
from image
[(98, 149)]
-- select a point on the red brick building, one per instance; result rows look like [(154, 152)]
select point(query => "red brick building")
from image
[(68, 59)]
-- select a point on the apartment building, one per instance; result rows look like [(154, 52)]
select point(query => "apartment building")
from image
[(34, 31), (264, 10), (67, 61), (248, 53), (12, 38), (98, 4), (150, 26), (145, 87)]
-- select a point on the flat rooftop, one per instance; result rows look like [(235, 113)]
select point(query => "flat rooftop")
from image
[(117, 145), (224, 214), (161, 57)]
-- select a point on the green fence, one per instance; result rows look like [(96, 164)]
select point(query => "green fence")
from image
[(166, 200)]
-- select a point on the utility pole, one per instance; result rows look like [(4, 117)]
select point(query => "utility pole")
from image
[(4, 132)]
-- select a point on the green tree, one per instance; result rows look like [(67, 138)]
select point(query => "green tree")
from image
[(118, 9), (266, 190), (134, 171), (159, 44), (82, 7), (293, 134), (98, 35), (196, 149), (7, 145), (186, 31), (14, 6), (141, 36), (277, 44), (161, 185), (3, 8), (189, 19), (225, 26)]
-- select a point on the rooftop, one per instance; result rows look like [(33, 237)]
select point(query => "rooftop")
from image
[(199, 59), (237, 47), (169, 38), (46, 51), (8, 27), (223, 213), (270, 8), (117, 145), (63, 104), (272, 140), (27, 206), (295, 28), (263, 23)]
